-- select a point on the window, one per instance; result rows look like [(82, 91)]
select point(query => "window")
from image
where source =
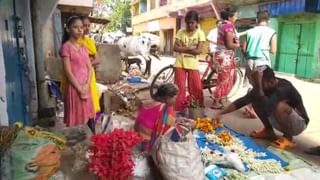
[(152, 4), (143, 6), (135, 9), (163, 2)]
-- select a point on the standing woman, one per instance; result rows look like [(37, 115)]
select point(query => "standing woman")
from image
[(188, 45), (92, 50), (77, 70), (226, 45)]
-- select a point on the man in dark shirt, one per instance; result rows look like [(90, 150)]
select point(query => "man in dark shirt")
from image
[(281, 108)]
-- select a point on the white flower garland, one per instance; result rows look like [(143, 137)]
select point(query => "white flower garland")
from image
[(248, 156)]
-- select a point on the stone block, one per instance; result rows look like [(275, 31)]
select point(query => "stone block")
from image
[(109, 69)]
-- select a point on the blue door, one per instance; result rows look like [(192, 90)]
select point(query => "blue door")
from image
[(13, 68)]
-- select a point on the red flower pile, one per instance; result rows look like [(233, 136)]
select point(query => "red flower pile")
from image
[(110, 157)]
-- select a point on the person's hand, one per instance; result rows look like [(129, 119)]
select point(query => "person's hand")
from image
[(217, 119), (84, 92), (187, 122), (86, 87)]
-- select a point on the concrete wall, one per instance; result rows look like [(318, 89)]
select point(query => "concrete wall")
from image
[(42, 13), (3, 97), (48, 38), (109, 69)]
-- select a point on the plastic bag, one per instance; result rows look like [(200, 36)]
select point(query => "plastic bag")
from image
[(111, 122)]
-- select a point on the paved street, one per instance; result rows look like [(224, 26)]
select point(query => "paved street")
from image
[(310, 94)]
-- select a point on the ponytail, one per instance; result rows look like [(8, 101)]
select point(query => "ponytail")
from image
[(65, 36)]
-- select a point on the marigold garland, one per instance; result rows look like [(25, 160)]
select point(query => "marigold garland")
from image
[(205, 125), (110, 157), (226, 137)]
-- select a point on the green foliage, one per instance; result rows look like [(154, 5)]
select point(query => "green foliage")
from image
[(120, 14)]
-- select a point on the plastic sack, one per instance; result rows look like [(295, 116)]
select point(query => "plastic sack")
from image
[(35, 155), (179, 160), (5, 166), (141, 166)]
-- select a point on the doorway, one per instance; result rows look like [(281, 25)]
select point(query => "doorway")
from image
[(13, 61), (296, 49), (168, 41)]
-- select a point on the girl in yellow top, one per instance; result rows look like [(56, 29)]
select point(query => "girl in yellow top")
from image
[(92, 50), (188, 45)]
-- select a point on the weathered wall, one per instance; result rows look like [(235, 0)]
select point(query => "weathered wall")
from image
[(3, 97), (41, 14), (48, 38), (109, 69)]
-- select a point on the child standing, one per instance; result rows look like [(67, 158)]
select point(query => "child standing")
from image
[(188, 45), (77, 69)]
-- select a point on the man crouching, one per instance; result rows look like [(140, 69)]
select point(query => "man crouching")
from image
[(280, 108)]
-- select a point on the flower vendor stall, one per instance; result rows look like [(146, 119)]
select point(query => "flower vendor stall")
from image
[(231, 155), (227, 149)]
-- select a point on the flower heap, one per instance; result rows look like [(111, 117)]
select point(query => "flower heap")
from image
[(205, 125), (111, 154)]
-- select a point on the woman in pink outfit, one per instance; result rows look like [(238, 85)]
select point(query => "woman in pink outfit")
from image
[(227, 42), (77, 68)]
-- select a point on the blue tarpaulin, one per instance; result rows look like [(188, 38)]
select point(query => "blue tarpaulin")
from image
[(247, 141)]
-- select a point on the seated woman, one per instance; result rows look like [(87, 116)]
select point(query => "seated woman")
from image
[(157, 119)]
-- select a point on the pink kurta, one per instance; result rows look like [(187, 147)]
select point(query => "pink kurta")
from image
[(77, 111)]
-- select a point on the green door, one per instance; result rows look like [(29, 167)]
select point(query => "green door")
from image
[(288, 48), (306, 51), (295, 49)]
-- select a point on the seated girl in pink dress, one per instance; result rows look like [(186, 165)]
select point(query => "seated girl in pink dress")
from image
[(148, 114), (157, 119), (77, 68)]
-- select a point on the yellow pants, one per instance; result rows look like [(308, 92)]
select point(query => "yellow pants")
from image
[(93, 88)]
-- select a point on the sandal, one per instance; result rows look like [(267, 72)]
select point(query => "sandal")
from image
[(283, 143), (217, 106), (262, 134)]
